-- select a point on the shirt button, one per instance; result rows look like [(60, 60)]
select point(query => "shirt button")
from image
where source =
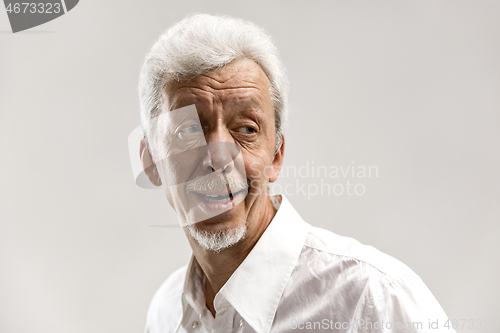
[(242, 323), (195, 324)]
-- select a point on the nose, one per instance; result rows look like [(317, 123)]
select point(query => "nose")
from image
[(221, 150), (220, 156)]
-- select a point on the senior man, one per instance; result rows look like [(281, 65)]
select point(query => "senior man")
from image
[(213, 103)]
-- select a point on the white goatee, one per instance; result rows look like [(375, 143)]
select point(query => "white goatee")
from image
[(218, 240)]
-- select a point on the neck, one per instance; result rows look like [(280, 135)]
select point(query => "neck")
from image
[(218, 267)]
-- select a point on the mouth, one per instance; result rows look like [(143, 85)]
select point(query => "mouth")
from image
[(220, 201), (216, 198)]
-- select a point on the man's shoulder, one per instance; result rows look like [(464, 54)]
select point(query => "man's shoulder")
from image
[(165, 309), (331, 246), (359, 282)]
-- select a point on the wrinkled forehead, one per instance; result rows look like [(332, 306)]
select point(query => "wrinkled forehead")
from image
[(240, 79), (232, 102)]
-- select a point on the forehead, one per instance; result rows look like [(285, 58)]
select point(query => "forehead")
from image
[(241, 82)]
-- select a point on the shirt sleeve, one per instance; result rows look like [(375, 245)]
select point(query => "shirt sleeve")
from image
[(402, 305)]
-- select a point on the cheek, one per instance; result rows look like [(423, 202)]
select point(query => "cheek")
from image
[(258, 168), (257, 172), (179, 168)]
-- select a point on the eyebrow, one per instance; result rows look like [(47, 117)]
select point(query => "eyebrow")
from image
[(183, 102), (249, 106), (246, 106)]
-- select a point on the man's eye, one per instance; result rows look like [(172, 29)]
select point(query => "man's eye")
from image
[(246, 130), (190, 129), (191, 132)]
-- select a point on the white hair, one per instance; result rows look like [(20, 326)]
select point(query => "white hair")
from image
[(203, 43), (218, 240)]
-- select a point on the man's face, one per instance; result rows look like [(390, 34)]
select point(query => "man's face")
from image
[(236, 116)]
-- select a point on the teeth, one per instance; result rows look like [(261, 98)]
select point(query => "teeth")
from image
[(216, 198)]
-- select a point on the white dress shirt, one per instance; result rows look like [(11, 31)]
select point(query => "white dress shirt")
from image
[(299, 278)]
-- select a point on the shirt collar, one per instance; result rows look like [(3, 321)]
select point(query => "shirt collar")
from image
[(256, 287)]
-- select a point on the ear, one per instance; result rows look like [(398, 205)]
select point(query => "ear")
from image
[(148, 165), (277, 161)]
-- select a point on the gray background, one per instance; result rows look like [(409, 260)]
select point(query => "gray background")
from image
[(411, 87)]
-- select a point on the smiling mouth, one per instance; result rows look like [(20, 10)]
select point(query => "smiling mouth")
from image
[(215, 198), (218, 198)]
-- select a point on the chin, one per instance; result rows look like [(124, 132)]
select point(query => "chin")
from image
[(217, 236)]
